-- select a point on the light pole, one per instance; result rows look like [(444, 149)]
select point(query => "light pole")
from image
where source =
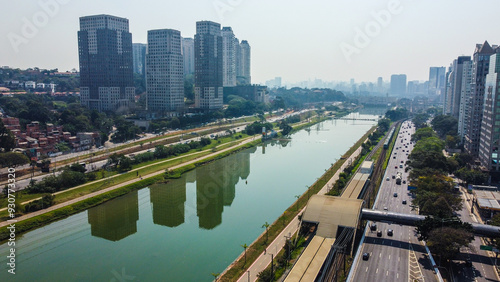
[(297, 206), (272, 266)]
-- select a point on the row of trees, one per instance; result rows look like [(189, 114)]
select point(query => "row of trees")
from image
[(435, 195), (123, 163)]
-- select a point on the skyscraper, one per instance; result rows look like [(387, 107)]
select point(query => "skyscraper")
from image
[(465, 97), (480, 66), (208, 88), (454, 85), (139, 56), (436, 80), (188, 55), (380, 85), (105, 53), (490, 126), (228, 57), (164, 72), (243, 67), (398, 84)]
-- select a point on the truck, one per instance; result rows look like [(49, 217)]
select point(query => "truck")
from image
[(398, 178)]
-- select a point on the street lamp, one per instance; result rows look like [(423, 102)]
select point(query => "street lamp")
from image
[(272, 266)]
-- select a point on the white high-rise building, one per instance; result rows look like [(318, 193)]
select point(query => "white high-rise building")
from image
[(164, 73), (228, 57), (465, 95), (243, 66), (188, 55)]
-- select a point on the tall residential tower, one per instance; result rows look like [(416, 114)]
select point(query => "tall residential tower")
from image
[(480, 66), (164, 73)]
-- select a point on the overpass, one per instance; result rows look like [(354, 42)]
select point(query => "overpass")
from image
[(337, 221)]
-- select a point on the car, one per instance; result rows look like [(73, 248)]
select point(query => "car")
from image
[(101, 147), (394, 157), (404, 202), (404, 181), (379, 233), (387, 179), (390, 232), (385, 208), (402, 161), (394, 177), (403, 150), (400, 166), (366, 256), (373, 227), (395, 194), (396, 167)]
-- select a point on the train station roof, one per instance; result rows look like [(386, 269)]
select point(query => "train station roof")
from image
[(331, 212)]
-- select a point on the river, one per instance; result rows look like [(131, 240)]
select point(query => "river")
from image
[(189, 228)]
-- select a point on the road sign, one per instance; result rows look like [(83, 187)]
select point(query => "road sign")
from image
[(486, 248)]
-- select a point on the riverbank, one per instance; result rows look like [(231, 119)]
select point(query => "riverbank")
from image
[(65, 209), (289, 217), (93, 198)]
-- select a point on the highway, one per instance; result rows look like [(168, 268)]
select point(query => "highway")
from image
[(400, 257), (482, 265)]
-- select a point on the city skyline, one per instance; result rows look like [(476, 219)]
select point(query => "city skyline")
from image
[(332, 41)]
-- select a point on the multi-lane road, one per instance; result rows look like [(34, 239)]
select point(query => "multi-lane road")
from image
[(400, 256)]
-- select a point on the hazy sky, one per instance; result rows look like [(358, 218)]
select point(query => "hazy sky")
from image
[(297, 40)]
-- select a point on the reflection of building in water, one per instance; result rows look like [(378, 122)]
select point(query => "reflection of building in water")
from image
[(215, 187), (245, 162), (116, 219), (191, 176), (167, 202)]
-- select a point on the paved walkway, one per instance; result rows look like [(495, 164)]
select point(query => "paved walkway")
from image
[(58, 206), (265, 258)]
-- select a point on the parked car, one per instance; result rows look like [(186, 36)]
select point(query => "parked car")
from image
[(373, 227), (395, 194), (404, 202), (390, 232), (379, 233)]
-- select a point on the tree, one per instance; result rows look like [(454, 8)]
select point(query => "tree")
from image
[(447, 241), (397, 114), (11, 159), (215, 275), (7, 139), (265, 275), (420, 120), (445, 125), (245, 246), (422, 133), (384, 124), (285, 127), (62, 147), (125, 164), (434, 195), (266, 225)]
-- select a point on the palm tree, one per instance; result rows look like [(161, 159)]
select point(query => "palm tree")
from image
[(215, 275), (266, 225), (245, 247)]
